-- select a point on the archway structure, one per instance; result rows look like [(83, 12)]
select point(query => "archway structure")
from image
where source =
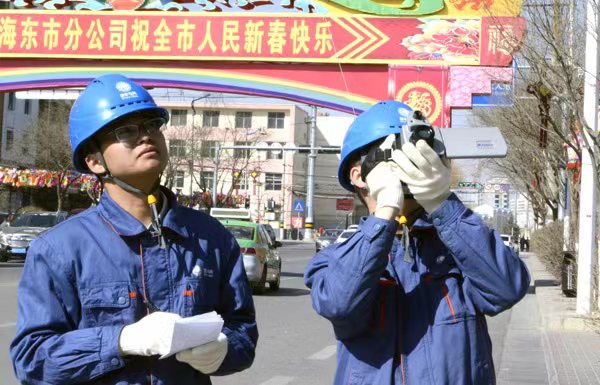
[(338, 54)]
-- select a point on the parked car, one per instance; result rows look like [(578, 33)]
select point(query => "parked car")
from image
[(327, 238), (3, 216), (261, 259), (16, 235), (345, 235), (271, 232), (507, 239)]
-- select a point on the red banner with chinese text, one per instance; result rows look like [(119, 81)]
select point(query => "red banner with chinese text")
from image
[(424, 89), (243, 37)]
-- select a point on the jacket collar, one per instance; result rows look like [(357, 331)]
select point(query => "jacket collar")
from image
[(127, 225), (422, 224)]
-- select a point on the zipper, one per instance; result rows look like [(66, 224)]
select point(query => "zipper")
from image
[(150, 307), (399, 320)]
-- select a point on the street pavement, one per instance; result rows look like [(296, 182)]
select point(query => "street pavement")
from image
[(547, 343), (539, 341)]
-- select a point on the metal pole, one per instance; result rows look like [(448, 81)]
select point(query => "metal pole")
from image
[(192, 149), (216, 175), (282, 209), (310, 181), (586, 263)]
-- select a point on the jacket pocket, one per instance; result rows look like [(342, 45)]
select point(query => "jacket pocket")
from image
[(356, 378), (110, 304), (448, 300), (200, 295)]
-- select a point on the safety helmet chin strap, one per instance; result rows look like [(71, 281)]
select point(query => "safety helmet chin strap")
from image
[(107, 176), (151, 199)]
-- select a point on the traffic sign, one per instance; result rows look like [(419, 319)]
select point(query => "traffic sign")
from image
[(344, 204), (298, 206), (297, 222)]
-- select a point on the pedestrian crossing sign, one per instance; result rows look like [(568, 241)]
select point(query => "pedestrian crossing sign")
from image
[(298, 206)]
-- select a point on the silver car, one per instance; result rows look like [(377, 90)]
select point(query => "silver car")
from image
[(16, 235), (327, 238)]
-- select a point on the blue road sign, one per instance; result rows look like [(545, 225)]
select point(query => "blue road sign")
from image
[(298, 206), (501, 96)]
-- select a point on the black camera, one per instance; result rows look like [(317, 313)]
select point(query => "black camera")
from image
[(452, 143)]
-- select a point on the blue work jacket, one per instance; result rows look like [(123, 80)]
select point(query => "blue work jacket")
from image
[(85, 279), (416, 318)]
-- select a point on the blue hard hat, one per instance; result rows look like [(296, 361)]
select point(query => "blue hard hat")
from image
[(104, 100), (384, 118)]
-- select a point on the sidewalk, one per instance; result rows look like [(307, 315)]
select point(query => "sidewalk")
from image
[(546, 342)]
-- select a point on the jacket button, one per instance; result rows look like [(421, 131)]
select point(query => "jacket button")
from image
[(440, 259), (377, 227), (114, 361), (121, 300), (437, 221)]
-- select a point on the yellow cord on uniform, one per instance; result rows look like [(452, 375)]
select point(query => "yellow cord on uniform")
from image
[(152, 203)]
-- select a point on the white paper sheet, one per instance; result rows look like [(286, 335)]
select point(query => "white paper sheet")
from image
[(194, 331)]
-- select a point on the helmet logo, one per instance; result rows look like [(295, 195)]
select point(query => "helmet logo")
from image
[(403, 112), (123, 86), (125, 90)]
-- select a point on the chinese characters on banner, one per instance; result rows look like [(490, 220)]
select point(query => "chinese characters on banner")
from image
[(177, 36)]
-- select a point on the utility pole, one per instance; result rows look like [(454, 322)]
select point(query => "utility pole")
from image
[(310, 180), (587, 258), (192, 149), (216, 175)]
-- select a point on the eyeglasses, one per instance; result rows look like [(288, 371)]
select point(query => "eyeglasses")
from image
[(129, 133)]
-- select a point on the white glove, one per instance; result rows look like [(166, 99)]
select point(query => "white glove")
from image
[(205, 358), (426, 176), (384, 181), (149, 336)]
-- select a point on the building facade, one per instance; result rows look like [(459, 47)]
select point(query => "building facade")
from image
[(18, 116), (265, 181)]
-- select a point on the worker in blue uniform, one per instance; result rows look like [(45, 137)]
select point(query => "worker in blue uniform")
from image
[(408, 298), (101, 291)]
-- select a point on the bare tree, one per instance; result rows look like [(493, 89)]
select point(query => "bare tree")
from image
[(48, 140), (547, 112), (192, 150)]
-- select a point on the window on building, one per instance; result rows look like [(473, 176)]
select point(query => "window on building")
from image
[(206, 180), (276, 119), (210, 119), (11, 101), (209, 149), (10, 138), (272, 182), (177, 148), (242, 182), (178, 117), (274, 155), (242, 153), (243, 119), (179, 178), (27, 107)]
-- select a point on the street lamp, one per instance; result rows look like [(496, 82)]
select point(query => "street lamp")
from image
[(192, 145)]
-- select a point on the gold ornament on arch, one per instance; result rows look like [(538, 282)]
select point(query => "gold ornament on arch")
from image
[(422, 96)]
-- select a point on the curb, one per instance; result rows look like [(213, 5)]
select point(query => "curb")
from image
[(566, 322), (11, 264)]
